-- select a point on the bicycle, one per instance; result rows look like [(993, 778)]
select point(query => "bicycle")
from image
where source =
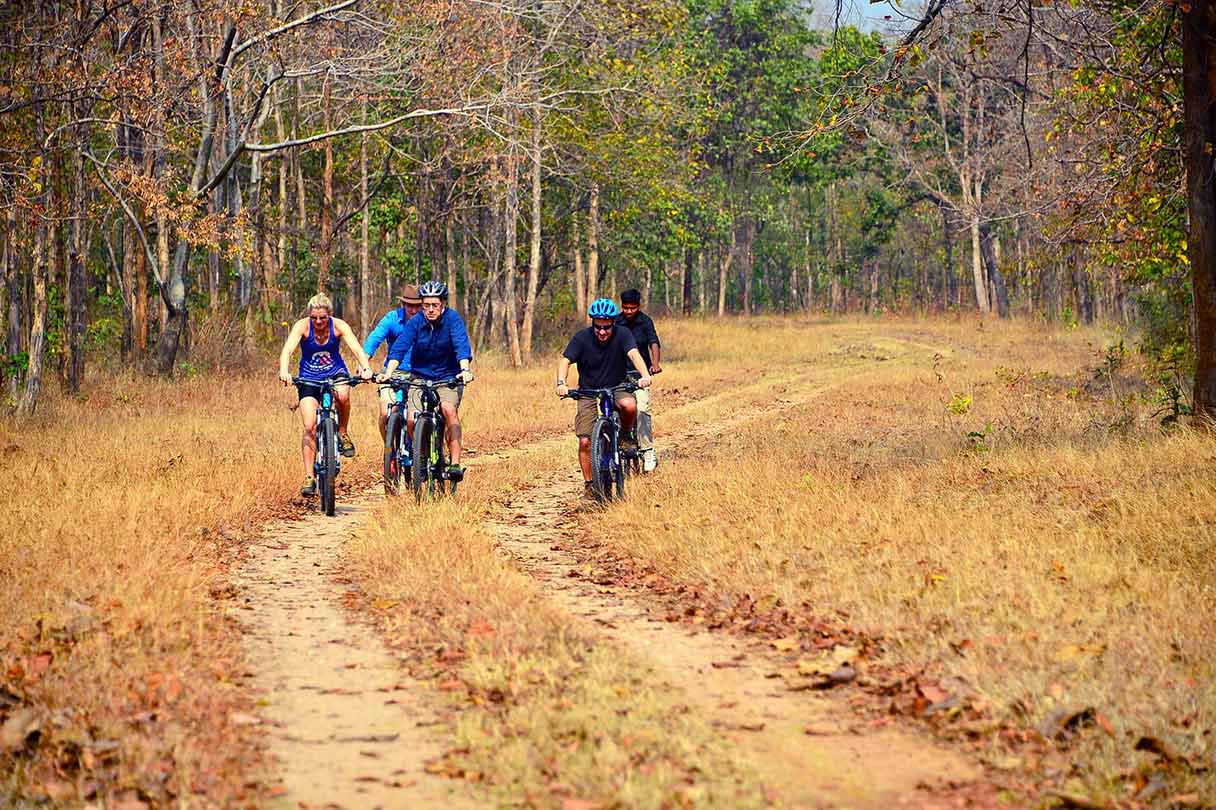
[(608, 461), (326, 465), (398, 453), (430, 470)]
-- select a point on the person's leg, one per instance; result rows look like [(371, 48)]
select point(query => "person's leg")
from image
[(308, 441), (451, 422), (584, 457), (628, 408), (645, 432), (386, 399), (342, 396), (584, 421)]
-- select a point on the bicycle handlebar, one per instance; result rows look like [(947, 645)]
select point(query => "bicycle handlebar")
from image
[(592, 393), (348, 380)]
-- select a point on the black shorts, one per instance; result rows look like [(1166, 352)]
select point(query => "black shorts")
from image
[(309, 390)]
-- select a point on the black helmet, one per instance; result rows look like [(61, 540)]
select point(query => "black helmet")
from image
[(433, 289)]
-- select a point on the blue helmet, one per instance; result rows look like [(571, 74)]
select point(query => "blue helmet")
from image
[(603, 308)]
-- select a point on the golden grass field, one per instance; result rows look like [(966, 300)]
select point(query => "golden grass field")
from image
[(1058, 559)]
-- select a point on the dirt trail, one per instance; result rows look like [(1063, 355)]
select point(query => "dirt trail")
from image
[(727, 678), (349, 729)]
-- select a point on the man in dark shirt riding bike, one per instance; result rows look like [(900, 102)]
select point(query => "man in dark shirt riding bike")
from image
[(642, 327), (602, 353)]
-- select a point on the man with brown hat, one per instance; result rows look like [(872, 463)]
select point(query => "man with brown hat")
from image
[(387, 331)]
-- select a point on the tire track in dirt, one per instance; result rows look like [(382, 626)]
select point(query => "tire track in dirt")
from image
[(347, 726), (799, 743)]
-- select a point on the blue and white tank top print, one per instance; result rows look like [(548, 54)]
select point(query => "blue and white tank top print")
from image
[(321, 361)]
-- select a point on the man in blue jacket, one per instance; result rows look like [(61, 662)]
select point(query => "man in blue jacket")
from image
[(387, 331), (436, 347)]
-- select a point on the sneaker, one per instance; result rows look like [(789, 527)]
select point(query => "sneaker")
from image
[(589, 491), (649, 461), (310, 487), (455, 472), (629, 441), (345, 446)]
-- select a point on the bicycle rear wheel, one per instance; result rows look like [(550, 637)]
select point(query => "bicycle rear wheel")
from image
[(327, 451), (421, 471), (392, 452), (602, 462)]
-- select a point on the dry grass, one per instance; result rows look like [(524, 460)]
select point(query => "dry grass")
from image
[(131, 503), (1057, 558)]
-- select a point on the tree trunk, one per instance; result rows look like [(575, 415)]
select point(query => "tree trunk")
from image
[(723, 269), (511, 226), (37, 344), (77, 283), (747, 260), (702, 303), (996, 286), (365, 265), (534, 255), (686, 282), (13, 285), (580, 284), (977, 265), (449, 255), (593, 244), (327, 194)]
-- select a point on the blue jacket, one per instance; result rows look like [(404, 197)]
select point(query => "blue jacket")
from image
[(387, 331), (432, 351)]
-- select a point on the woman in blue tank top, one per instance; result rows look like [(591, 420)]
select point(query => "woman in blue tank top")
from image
[(319, 337)]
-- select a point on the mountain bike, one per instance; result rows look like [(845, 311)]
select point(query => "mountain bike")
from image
[(430, 476), (398, 452), (608, 462), (327, 465)]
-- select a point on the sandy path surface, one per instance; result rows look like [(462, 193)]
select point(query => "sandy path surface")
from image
[(346, 725)]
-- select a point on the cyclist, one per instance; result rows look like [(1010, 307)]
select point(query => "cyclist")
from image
[(602, 353), (387, 331), (435, 347), (319, 337), (642, 327)]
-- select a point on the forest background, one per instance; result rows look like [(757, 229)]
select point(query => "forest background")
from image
[(178, 178)]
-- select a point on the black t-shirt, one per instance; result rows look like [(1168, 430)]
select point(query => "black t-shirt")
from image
[(643, 333), (600, 365)]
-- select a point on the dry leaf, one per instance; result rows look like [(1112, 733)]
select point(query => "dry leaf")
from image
[(18, 728), (786, 644)]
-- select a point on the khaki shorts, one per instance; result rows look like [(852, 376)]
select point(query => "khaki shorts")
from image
[(447, 396), (588, 410)]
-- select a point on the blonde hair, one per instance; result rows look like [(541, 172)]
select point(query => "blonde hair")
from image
[(321, 301)]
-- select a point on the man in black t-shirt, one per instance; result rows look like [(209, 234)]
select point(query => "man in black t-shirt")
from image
[(603, 353), (642, 327)]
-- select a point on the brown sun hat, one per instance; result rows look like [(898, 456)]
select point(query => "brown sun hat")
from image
[(409, 295)]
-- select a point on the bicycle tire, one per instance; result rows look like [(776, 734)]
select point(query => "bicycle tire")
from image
[(327, 448), (392, 455), (439, 479), (601, 459), (421, 471)]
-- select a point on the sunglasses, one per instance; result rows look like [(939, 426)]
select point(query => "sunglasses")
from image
[(318, 318), (598, 328)]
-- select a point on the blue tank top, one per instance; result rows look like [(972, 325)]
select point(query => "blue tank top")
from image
[(321, 361)]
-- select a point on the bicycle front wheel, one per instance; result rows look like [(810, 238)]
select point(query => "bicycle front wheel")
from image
[(327, 449), (393, 443), (422, 471), (603, 434), (439, 462)]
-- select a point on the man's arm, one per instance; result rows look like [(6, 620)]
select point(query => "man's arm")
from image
[(563, 368), (403, 347), (655, 366), (635, 357), (378, 334)]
